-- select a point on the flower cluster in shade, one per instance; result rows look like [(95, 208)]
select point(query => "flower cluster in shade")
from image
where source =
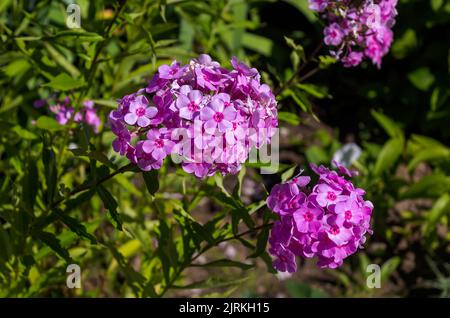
[(357, 29), (209, 117), (328, 220), (64, 112)]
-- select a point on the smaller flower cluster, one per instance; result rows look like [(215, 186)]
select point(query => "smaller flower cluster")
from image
[(64, 112), (357, 29), (207, 115), (328, 221)]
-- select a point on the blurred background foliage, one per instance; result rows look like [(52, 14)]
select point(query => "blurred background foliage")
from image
[(66, 197)]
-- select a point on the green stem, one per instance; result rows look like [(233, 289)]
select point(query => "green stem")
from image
[(91, 72), (87, 186), (300, 69), (205, 249)]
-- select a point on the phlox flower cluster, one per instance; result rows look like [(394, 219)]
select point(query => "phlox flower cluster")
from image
[(206, 115), (357, 29), (328, 220), (64, 112)]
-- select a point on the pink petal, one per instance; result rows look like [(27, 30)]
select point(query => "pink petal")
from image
[(143, 121), (217, 105), (182, 101), (195, 96), (206, 113), (210, 126), (130, 118), (229, 113), (147, 146), (224, 125), (158, 154), (185, 113), (151, 112)]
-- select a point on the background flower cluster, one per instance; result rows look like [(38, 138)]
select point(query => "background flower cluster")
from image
[(357, 29)]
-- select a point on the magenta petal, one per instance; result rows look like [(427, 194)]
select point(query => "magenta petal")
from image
[(229, 113), (206, 113), (185, 113), (210, 126), (130, 118), (158, 154), (147, 146), (143, 121), (182, 101), (217, 104), (195, 96), (151, 112), (224, 125)]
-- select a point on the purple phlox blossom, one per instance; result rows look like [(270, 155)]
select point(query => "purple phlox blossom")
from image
[(333, 34), (308, 218), (139, 113), (215, 115), (121, 143), (189, 104), (329, 222), (357, 29), (158, 144), (210, 111), (174, 71), (145, 160)]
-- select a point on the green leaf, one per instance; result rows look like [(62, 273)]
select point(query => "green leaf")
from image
[(135, 280), (301, 290), (389, 154), (389, 126), (76, 226), (61, 60), (111, 204), (213, 283), (218, 178), (202, 232), (289, 117), (224, 263), (429, 154), (389, 267), (78, 35), (300, 99), (326, 61), (151, 181), (261, 242), (428, 187), (100, 157), (405, 44), (285, 176), (48, 123), (439, 209), (64, 82), (23, 133), (51, 173), (422, 78), (106, 102), (30, 185), (257, 43), (238, 188), (5, 243), (314, 90), (298, 53), (54, 243), (317, 154)]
